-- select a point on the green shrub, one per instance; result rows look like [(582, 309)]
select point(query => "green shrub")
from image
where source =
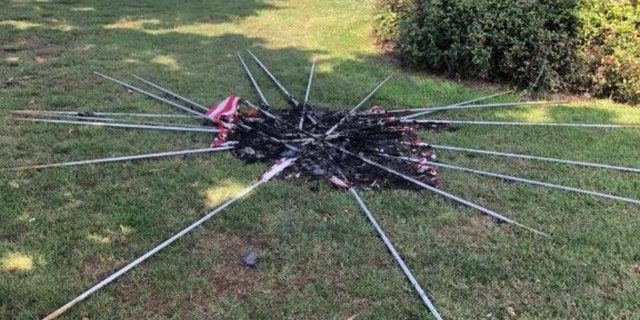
[(611, 48), (385, 20), (570, 45)]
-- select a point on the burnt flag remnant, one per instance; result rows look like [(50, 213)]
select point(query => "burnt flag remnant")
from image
[(362, 135), (363, 147)]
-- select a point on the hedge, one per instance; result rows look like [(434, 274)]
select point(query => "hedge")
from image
[(586, 46)]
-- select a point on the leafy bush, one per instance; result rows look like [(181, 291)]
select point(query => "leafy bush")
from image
[(577, 45), (386, 19), (611, 48)]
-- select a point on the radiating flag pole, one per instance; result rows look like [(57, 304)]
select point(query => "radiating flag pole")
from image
[(415, 111), (430, 110), (120, 125), (306, 96), (481, 98), (290, 98), (529, 157), (120, 159), (113, 120), (407, 272), (507, 123), (522, 180), (280, 166), (171, 93), (424, 111), (253, 82), (151, 95), (98, 114), (354, 109), (311, 73), (438, 191), (255, 85), (187, 109)]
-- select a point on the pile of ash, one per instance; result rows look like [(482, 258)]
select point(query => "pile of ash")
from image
[(269, 135)]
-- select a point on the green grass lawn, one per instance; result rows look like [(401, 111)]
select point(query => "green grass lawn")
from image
[(63, 230)]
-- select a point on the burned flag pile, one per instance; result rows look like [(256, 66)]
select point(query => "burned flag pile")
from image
[(266, 135)]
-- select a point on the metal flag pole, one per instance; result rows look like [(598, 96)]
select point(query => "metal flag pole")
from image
[(173, 94), (447, 106), (506, 123), (524, 156), (440, 192), (114, 120), (253, 82), (308, 91), (414, 111), (119, 125), (306, 95), (523, 180), (265, 112), (98, 114), (286, 93), (273, 171), (257, 87), (424, 111), (119, 159), (151, 95), (407, 272), (480, 98), (353, 110)]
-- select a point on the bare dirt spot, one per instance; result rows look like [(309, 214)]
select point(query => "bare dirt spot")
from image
[(21, 44), (92, 269), (302, 280), (236, 282), (97, 268), (361, 304), (381, 262), (73, 84), (39, 47)]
